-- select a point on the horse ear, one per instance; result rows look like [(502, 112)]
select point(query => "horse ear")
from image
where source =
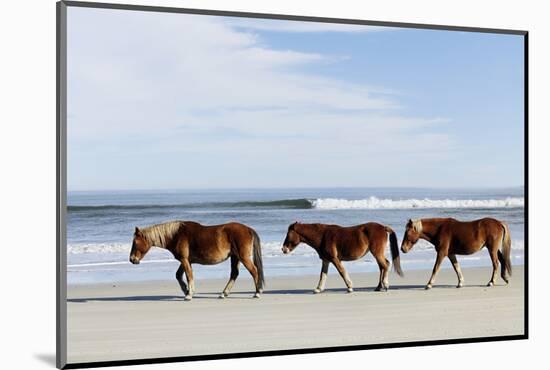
[(137, 231), (409, 222)]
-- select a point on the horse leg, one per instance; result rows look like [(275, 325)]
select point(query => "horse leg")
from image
[(343, 273), (458, 271), (494, 259), (384, 266), (502, 266), (322, 278), (380, 285), (232, 277), (179, 278), (189, 274), (440, 257), (254, 272)]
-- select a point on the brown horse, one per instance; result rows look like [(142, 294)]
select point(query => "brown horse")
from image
[(335, 244), (191, 242), (451, 237)]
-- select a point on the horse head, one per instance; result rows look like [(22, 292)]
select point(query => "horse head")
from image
[(140, 247), (413, 230), (292, 239)]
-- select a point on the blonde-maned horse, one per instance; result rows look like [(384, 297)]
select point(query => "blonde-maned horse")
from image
[(451, 237), (190, 242)]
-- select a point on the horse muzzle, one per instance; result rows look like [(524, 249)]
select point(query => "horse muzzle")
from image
[(285, 250), (134, 260)]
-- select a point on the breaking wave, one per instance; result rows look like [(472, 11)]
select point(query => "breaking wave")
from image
[(319, 203), (377, 203)]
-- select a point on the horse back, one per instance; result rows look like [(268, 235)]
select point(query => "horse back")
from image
[(213, 244), (221, 232), (375, 231), (352, 242), (480, 227), (237, 232), (470, 236)]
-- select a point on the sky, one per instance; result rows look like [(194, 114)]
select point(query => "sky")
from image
[(176, 101)]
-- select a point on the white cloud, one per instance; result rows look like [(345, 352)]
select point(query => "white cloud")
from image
[(156, 84), (184, 63)]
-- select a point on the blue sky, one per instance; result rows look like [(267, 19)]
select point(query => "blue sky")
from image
[(164, 101)]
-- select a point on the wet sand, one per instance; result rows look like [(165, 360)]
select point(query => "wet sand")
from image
[(150, 319)]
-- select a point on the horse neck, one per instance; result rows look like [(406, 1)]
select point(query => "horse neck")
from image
[(154, 238), (430, 228), (310, 234), (154, 242)]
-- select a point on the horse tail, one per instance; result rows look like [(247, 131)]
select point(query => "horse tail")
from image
[(257, 251), (506, 247), (394, 248)]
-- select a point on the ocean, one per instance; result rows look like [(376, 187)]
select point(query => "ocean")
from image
[(101, 225)]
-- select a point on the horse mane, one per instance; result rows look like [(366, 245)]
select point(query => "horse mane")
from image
[(161, 234), (417, 225)]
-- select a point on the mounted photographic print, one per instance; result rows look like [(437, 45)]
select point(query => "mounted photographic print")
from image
[(235, 184)]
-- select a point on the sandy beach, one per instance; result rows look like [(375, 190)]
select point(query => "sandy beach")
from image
[(150, 319)]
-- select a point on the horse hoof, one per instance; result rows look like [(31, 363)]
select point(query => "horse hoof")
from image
[(459, 285), (257, 295), (188, 297), (222, 296), (350, 290), (490, 283), (317, 291), (428, 287)]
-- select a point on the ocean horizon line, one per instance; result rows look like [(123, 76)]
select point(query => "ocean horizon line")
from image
[(144, 190)]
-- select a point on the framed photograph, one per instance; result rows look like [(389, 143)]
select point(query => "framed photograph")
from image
[(236, 184)]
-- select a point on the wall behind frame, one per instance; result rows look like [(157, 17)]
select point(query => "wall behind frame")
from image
[(28, 163)]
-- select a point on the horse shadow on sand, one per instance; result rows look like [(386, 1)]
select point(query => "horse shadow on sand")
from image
[(200, 296), (249, 294)]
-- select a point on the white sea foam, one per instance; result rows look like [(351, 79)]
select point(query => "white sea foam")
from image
[(377, 203), (99, 248), (269, 249), (116, 263)]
